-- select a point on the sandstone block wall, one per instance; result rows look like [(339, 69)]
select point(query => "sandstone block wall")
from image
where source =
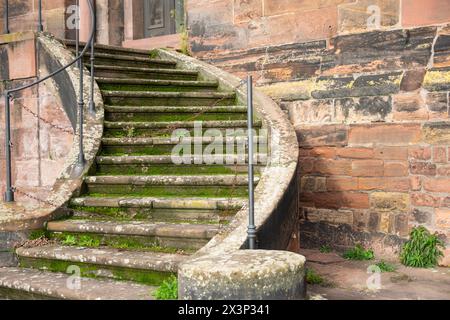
[(366, 84), (39, 146)]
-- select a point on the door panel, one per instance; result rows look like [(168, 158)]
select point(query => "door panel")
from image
[(159, 18)]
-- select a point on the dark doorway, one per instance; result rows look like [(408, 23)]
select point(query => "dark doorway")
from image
[(159, 18)]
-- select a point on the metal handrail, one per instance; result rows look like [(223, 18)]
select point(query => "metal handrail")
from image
[(9, 193)]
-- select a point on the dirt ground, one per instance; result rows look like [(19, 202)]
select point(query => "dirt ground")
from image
[(351, 280)]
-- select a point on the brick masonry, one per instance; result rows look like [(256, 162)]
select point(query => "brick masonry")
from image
[(370, 105)]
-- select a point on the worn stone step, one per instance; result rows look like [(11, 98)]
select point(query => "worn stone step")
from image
[(158, 165), (23, 284), (113, 50), (155, 98), (215, 180), (143, 73), (230, 128), (145, 267), (179, 147), (171, 186), (156, 209), (112, 84), (177, 109), (128, 61), (137, 234)]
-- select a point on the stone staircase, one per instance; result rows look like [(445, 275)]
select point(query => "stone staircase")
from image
[(139, 215)]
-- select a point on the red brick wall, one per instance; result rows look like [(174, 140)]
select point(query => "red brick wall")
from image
[(371, 109)]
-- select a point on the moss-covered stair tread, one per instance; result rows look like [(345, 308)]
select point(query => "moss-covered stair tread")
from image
[(111, 257), (44, 285)]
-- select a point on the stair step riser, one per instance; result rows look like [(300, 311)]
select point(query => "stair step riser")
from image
[(159, 117), (218, 149), (149, 214), (160, 88), (89, 270), (164, 101), (167, 190), (141, 242), (113, 51), (168, 132), (13, 294), (143, 75), (140, 169), (129, 63)]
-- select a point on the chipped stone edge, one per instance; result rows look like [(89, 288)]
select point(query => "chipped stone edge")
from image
[(196, 280), (69, 181)]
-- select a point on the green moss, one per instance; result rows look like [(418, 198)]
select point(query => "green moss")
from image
[(168, 289), (88, 270), (168, 117), (115, 241), (169, 191), (38, 234), (359, 253), (153, 87), (153, 54), (151, 170)]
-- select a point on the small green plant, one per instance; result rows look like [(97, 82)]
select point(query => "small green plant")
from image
[(69, 240), (325, 249), (87, 241), (313, 278), (38, 234), (359, 253), (422, 250), (386, 267), (168, 289)]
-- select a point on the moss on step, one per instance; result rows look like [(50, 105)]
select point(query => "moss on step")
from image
[(133, 132), (168, 191), (135, 243), (168, 101), (88, 270), (167, 117), (161, 88), (151, 170)]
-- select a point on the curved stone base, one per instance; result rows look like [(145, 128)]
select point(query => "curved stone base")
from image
[(244, 275)]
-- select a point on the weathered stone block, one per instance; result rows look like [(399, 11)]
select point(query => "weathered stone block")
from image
[(329, 135), (412, 80), (416, 13), (423, 215), (423, 168), (386, 134), (443, 218), (390, 201), (364, 109), (368, 15), (437, 133), (247, 10)]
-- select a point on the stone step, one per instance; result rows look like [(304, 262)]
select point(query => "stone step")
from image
[(173, 146), (170, 186), (145, 267), (157, 165), (204, 210), (155, 85), (146, 73), (136, 234), (113, 50), (215, 180), (129, 61), (209, 128), (23, 284), (177, 109), (155, 98)]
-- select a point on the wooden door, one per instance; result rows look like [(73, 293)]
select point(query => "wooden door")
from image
[(159, 18)]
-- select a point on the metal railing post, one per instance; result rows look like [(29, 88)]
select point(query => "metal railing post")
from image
[(6, 16), (92, 61), (9, 193), (251, 230), (81, 158), (40, 26), (77, 33)]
